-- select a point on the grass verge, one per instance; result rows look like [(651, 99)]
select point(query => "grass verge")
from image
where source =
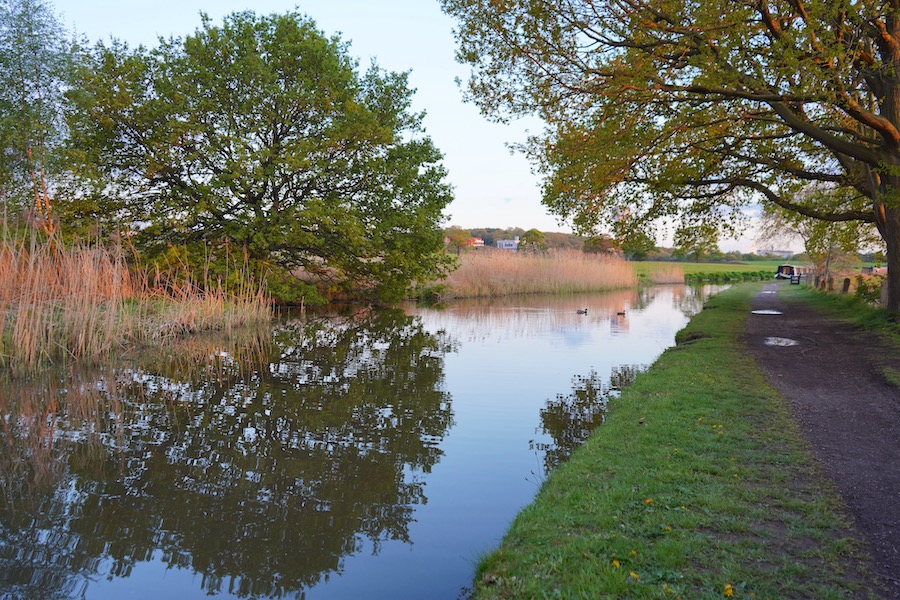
[(653, 272), (698, 485)]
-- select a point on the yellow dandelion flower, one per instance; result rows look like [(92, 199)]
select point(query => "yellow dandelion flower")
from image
[(633, 553), (729, 590), (616, 564), (634, 575), (648, 501)]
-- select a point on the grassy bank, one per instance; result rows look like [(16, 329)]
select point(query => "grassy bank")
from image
[(698, 485), (497, 273), (692, 272)]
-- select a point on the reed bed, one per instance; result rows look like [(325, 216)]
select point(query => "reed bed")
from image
[(666, 273), (83, 302), (499, 273)]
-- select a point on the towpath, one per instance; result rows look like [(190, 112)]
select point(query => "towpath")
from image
[(829, 372)]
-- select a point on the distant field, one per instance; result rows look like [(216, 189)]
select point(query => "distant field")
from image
[(645, 268)]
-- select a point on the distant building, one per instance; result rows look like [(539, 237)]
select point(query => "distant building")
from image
[(475, 243), (512, 244)]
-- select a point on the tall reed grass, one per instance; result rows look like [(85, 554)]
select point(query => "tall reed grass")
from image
[(83, 301), (666, 273), (499, 273)]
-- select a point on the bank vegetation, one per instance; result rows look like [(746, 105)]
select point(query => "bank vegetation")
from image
[(697, 485), (84, 301), (491, 273)]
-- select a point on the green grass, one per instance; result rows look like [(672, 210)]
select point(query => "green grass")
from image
[(692, 272), (643, 268), (698, 484)]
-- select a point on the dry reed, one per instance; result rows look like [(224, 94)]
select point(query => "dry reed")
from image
[(82, 302), (669, 273), (499, 273)]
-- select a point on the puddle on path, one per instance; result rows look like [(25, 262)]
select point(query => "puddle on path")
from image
[(780, 341), (767, 311)]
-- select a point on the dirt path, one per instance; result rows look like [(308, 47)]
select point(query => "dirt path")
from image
[(850, 414)]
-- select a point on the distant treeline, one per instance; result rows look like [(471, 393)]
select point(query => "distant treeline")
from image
[(607, 244)]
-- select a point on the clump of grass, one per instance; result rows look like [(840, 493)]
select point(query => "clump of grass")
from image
[(58, 302), (178, 303), (83, 301), (498, 273)]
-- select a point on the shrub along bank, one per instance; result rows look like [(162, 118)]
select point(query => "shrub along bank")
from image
[(698, 485)]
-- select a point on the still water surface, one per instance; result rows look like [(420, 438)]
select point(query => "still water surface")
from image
[(374, 455)]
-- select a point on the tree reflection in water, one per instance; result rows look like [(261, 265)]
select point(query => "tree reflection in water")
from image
[(259, 466), (570, 420)]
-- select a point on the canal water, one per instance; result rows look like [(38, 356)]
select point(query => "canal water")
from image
[(369, 455)]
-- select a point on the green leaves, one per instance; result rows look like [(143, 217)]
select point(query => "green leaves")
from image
[(34, 66), (260, 131), (532, 241), (694, 110)]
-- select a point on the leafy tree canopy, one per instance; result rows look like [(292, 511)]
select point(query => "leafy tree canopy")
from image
[(34, 65), (601, 244), (684, 109), (828, 245), (457, 238), (698, 240), (260, 132), (532, 241)]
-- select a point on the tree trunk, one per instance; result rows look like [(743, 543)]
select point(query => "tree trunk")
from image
[(891, 234)]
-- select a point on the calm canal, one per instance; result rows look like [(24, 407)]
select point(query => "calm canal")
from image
[(375, 455)]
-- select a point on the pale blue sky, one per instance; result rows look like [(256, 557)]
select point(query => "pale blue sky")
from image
[(492, 188)]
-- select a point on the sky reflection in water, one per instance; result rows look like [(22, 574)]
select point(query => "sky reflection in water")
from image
[(369, 456)]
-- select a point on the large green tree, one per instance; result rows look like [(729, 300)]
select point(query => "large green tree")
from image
[(533, 241), (674, 108), (33, 70), (699, 241), (261, 132)]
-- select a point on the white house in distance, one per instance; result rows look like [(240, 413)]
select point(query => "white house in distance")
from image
[(512, 244)]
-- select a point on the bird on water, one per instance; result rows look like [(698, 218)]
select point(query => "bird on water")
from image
[(581, 311)]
